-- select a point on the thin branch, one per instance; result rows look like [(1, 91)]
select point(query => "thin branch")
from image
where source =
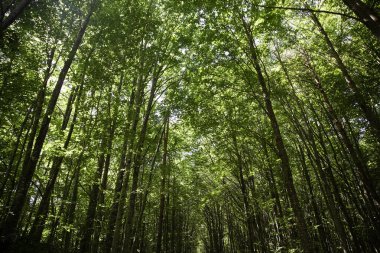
[(306, 10)]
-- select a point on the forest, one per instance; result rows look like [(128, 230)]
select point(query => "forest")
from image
[(205, 126)]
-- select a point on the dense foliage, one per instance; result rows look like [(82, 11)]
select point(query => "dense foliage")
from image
[(189, 126)]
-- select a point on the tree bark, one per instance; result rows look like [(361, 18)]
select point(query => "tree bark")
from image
[(367, 109), (368, 16), (137, 164), (37, 107), (356, 157), (116, 245), (13, 15), (243, 188), (282, 153), (8, 171), (10, 224), (162, 188), (103, 167), (108, 151), (120, 175), (43, 209), (88, 228), (149, 183)]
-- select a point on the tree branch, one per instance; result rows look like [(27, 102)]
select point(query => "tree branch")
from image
[(306, 10)]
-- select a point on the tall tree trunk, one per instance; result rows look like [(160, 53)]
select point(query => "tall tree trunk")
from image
[(303, 233), (162, 188), (103, 167), (116, 245), (322, 233), (100, 214), (8, 171), (69, 219), (120, 175), (75, 98), (9, 226), (15, 173), (356, 157), (88, 228), (37, 107), (326, 189), (13, 15), (111, 134), (369, 112), (307, 139), (68, 214), (368, 16), (41, 215), (330, 187), (149, 183), (247, 207), (138, 162)]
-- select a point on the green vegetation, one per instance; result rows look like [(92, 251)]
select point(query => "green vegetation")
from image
[(189, 126)]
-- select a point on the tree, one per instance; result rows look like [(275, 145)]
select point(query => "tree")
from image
[(189, 126)]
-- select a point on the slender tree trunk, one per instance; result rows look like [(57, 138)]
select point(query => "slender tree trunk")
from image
[(9, 226), (39, 222), (69, 212), (14, 153), (244, 192), (162, 188), (88, 228), (14, 15), (174, 227), (358, 160), (37, 111), (75, 98), (69, 219), (165, 239), (308, 139), (258, 215), (276, 196), (146, 191), (327, 194), (331, 190), (322, 233), (369, 112), (137, 164), (368, 16), (111, 134), (303, 233), (103, 167), (120, 175), (15, 173), (116, 245), (101, 211)]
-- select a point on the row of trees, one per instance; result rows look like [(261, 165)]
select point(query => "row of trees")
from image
[(165, 126)]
